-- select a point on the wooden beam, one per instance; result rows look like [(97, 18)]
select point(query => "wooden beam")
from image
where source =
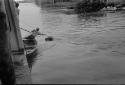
[(14, 45), (7, 73)]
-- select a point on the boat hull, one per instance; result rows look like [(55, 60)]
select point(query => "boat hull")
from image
[(30, 45)]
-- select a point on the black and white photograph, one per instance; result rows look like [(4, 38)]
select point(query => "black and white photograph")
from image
[(62, 42)]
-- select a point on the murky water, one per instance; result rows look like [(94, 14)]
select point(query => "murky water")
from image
[(87, 49)]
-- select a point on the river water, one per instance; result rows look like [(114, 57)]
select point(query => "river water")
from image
[(85, 50)]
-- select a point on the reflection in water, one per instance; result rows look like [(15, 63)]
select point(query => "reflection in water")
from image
[(31, 58), (94, 19), (83, 46), (94, 14)]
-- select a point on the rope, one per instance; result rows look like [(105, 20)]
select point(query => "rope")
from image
[(29, 31), (25, 30)]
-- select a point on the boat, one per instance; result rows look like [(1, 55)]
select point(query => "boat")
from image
[(30, 44)]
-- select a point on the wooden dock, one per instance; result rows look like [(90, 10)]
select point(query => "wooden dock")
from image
[(14, 47)]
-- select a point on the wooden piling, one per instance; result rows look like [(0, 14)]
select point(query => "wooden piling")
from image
[(13, 62)]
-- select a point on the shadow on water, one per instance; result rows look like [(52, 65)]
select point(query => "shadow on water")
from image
[(30, 45), (31, 58)]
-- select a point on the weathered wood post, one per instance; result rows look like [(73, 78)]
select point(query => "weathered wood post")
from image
[(22, 71), (7, 74), (13, 63)]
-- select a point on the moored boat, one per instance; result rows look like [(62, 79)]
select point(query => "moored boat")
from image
[(30, 44)]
